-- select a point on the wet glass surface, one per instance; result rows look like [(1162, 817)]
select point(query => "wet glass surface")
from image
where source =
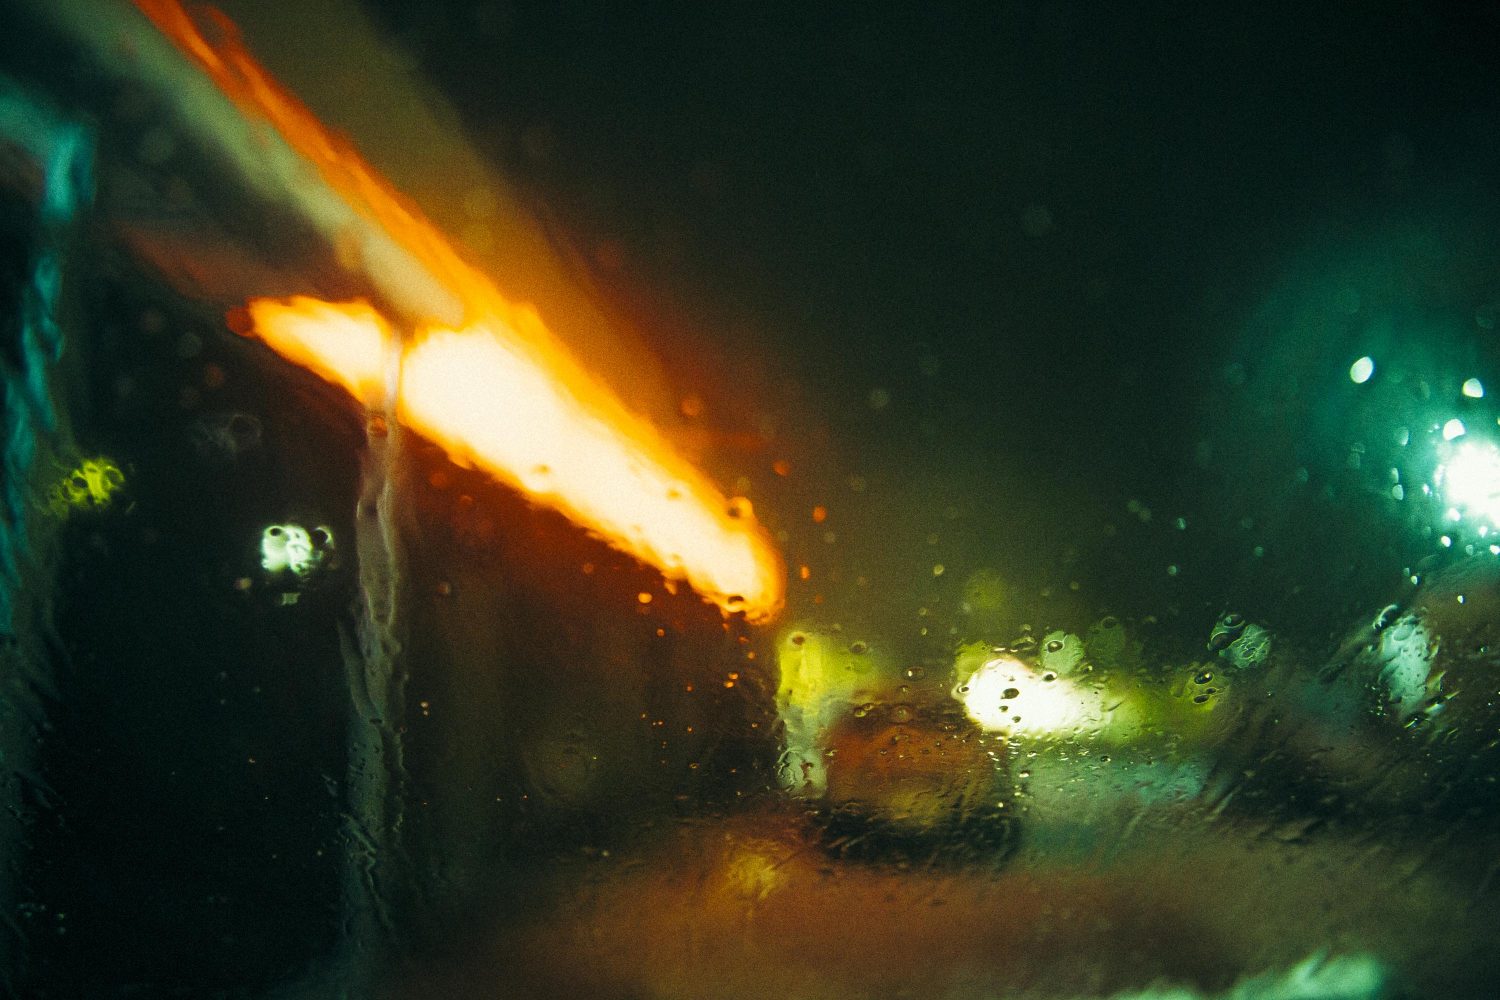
[(1116, 387)]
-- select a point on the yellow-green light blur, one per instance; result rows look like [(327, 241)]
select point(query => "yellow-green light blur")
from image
[(93, 484)]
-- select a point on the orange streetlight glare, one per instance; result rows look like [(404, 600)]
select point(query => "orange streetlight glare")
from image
[(497, 390)]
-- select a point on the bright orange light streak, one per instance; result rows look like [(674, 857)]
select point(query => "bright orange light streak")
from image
[(489, 405), (346, 344), (492, 385)]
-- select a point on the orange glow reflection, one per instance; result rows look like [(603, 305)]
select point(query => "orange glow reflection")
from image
[(496, 389)]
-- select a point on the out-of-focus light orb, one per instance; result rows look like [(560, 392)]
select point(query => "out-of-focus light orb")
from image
[(1061, 653), (1361, 370), (1454, 429), (1470, 481), (1474, 389), (1005, 695), (292, 548), (91, 485)]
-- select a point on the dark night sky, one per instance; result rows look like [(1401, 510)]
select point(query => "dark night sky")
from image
[(1045, 230)]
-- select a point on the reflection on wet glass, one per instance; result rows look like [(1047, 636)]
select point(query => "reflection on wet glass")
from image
[(1140, 523)]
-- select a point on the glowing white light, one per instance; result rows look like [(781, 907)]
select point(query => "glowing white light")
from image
[(1005, 695), (1470, 481), (1361, 370), (1454, 429), (1474, 389), (292, 548)]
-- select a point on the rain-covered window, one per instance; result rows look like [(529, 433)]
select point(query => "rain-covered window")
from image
[(749, 501)]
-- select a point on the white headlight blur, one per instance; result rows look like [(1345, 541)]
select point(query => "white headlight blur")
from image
[(1006, 695), (1470, 481)]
